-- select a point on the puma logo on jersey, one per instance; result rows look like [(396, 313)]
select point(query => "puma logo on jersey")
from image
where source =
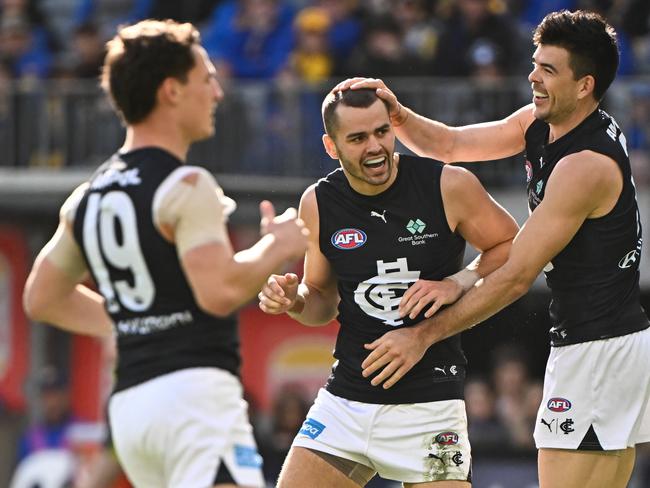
[(381, 216)]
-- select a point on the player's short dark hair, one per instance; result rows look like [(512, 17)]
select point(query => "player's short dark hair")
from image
[(362, 98), (140, 57), (590, 40)]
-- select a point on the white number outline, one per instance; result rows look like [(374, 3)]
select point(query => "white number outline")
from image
[(103, 212)]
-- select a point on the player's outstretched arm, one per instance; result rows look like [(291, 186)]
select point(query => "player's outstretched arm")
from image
[(315, 300), (582, 185), (430, 138), (223, 281), (192, 214), (53, 293)]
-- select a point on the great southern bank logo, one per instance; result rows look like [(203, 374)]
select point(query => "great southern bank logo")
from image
[(311, 428), (416, 229), (415, 226), (348, 238)]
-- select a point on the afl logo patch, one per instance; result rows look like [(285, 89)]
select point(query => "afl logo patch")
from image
[(348, 238), (447, 438), (558, 405)]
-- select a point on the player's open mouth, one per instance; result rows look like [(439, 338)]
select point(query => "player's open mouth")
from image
[(539, 96), (375, 163)]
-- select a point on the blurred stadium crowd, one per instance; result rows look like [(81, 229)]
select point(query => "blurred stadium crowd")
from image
[(311, 40), (277, 58)]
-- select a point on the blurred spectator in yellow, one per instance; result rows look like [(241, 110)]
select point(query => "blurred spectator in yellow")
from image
[(311, 60)]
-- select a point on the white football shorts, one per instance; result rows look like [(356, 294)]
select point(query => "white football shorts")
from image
[(174, 431), (596, 395), (412, 443)]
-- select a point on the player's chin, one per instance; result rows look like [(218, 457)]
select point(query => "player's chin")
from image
[(206, 133), (540, 114)]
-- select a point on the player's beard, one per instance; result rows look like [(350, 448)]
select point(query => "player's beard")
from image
[(357, 170)]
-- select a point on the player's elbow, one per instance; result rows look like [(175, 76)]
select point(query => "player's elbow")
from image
[(520, 279), (35, 306), (519, 288)]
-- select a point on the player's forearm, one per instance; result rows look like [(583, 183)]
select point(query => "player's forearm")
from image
[(313, 307), (497, 291), (491, 259), (424, 136), (251, 267), (80, 312)]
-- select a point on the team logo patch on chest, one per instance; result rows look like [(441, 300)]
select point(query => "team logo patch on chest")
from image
[(348, 238), (380, 295)]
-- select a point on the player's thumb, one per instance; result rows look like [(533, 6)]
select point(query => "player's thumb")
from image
[(288, 215), (267, 210), (292, 279)]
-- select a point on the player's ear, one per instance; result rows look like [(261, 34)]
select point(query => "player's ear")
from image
[(169, 90), (330, 147), (586, 86)]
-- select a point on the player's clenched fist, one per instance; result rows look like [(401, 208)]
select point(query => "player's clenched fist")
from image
[(279, 293)]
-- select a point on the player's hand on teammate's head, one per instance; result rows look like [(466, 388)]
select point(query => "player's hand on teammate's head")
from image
[(287, 228), (346, 84), (383, 92), (279, 293)]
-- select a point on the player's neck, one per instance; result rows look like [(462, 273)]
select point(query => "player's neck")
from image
[(572, 120), (152, 134)]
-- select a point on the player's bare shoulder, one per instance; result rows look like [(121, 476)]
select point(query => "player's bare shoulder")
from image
[(185, 176), (597, 176), (523, 117), (456, 182), (309, 203), (308, 210), (69, 208)]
